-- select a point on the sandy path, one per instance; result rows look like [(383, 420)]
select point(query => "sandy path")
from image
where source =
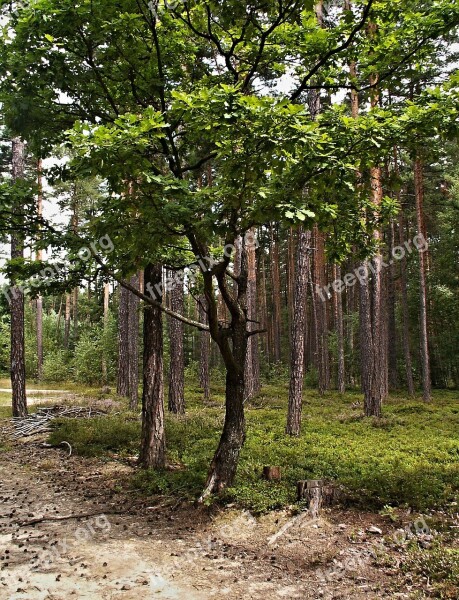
[(177, 552)]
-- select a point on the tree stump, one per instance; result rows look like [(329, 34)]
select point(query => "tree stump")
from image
[(317, 493), (272, 473)]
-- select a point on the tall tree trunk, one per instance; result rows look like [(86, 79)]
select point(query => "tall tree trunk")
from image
[(276, 297), (323, 359), (40, 299), (373, 342), (153, 445), (18, 373), (338, 306), (391, 307), (252, 362), (423, 326), (133, 343), (204, 360), (68, 308), (405, 313), (295, 398), (123, 387), (263, 304), (106, 319), (176, 396)]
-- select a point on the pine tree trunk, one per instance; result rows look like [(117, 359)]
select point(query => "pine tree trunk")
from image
[(176, 396), (204, 360), (40, 299), (133, 344), (299, 322), (405, 314), (68, 308), (276, 298), (106, 317), (392, 324), (338, 305), (252, 362), (153, 444), (122, 386), (423, 326), (18, 373), (323, 359)]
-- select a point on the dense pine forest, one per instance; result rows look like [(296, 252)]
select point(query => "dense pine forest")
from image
[(229, 247)]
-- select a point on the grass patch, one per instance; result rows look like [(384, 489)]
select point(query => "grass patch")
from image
[(440, 565), (410, 457)]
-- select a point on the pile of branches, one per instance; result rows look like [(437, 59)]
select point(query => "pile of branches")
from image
[(40, 422)]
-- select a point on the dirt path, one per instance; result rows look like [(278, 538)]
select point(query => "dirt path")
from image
[(127, 549)]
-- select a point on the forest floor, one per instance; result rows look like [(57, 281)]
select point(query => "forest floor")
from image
[(77, 527)]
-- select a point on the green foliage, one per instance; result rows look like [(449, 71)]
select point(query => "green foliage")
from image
[(57, 366), (439, 565), (98, 436), (412, 459)]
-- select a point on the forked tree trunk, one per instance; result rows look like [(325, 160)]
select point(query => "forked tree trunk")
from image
[(224, 463), (338, 306), (204, 359), (153, 445), (18, 374), (423, 326), (299, 323), (176, 395)]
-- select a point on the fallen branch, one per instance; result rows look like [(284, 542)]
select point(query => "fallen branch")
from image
[(68, 517)]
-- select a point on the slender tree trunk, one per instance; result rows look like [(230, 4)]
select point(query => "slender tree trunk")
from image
[(323, 359), (392, 324), (405, 313), (252, 362), (204, 361), (76, 293), (423, 326), (299, 322), (133, 343), (18, 373), (176, 396), (153, 445), (40, 299), (106, 319), (68, 308), (122, 387), (276, 298), (338, 306), (263, 304)]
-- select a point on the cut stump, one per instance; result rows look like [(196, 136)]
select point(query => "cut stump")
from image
[(272, 473), (317, 493)]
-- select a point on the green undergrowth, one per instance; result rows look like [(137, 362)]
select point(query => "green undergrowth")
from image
[(439, 565), (409, 457)]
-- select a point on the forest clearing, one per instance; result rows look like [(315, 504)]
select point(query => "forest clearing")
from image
[(229, 299)]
